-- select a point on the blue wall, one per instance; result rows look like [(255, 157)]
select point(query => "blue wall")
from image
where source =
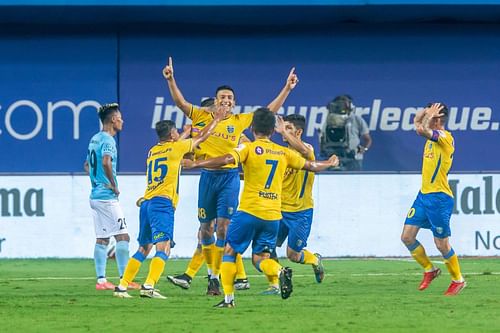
[(402, 66)]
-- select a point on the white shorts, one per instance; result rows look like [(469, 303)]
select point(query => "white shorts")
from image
[(108, 218)]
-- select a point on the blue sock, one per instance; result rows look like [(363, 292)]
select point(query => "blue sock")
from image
[(122, 256), (100, 256)]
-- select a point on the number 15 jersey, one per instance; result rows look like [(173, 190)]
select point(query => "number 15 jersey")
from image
[(164, 167), (264, 165)]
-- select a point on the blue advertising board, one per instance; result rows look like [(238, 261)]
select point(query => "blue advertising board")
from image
[(50, 89), (51, 86), (389, 73)]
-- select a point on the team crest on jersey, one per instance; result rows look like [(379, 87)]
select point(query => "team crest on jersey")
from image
[(230, 129), (230, 210), (439, 230), (259, 150)]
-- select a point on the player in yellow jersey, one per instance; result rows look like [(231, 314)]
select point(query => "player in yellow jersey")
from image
[(218, 187), (159, 202), (198, 259), (257, 220), (297, 202), (434, 203)]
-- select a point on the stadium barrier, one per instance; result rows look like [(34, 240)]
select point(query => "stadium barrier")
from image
[(355, 215)]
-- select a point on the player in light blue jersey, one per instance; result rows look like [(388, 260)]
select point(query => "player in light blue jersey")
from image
[(107, 213)]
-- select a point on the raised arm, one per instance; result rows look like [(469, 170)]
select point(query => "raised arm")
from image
[(290, 84), (219, 114), (433, 111), (316, 166), (168, 74), (294, 142), (186, 132)]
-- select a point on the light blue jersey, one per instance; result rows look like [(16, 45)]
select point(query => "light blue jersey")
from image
[(101, 144)]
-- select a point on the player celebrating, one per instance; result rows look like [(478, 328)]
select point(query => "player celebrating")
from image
[(184, 280), (106, 211), (434, 203), (218, 187), (296, 202), (257, 219), (160, 199)]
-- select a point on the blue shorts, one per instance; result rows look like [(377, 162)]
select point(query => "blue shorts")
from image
[(156, 221), (245, 228), (432, 211), (218, 193), (297, 227)]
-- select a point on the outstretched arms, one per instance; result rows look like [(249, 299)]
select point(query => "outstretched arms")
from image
[(168, 74), (211, 163), (316, 166), (290, 84)]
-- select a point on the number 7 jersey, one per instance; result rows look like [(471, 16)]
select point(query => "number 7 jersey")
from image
[(264, 165), (164, 168)]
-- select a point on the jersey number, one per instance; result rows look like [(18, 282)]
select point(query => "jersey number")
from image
[(160, 164), (274, 165), (93, 162)]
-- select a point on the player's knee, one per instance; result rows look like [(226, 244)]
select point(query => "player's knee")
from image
[(293, 256), (122, 237), (442, 245), (408, 239), (102, 241)]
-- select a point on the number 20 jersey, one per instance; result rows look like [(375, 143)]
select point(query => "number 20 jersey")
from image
[(163, 169), (264, 164)]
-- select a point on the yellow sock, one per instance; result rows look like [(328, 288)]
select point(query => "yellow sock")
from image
[(217, 259), (309, 258), (240, 268), (207, 251), (155, 269), (228, 272), (270, 267), (196, 262), (421, 257), (273, 280), (453, 267), (133, 266)]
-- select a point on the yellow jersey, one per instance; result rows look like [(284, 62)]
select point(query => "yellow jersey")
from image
[(264, 165), (437, 160), (224, 138), (297, 188), (164, 168)]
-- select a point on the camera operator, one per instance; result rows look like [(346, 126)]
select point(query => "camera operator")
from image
[(345, 134)]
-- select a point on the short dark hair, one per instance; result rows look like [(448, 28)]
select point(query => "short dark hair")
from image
[(207, 102), (298, 120), (224, 87), (263, 121), (163, 129), (106, 111)]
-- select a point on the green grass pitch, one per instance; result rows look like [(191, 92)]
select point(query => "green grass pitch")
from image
[(358, 295)]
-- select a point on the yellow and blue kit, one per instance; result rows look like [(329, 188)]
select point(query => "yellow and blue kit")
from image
[(218, 189), (257, 219), (434, 203), (297, 207), (162, 191)]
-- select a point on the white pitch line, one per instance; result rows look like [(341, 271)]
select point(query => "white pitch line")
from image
[(250, 276)]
